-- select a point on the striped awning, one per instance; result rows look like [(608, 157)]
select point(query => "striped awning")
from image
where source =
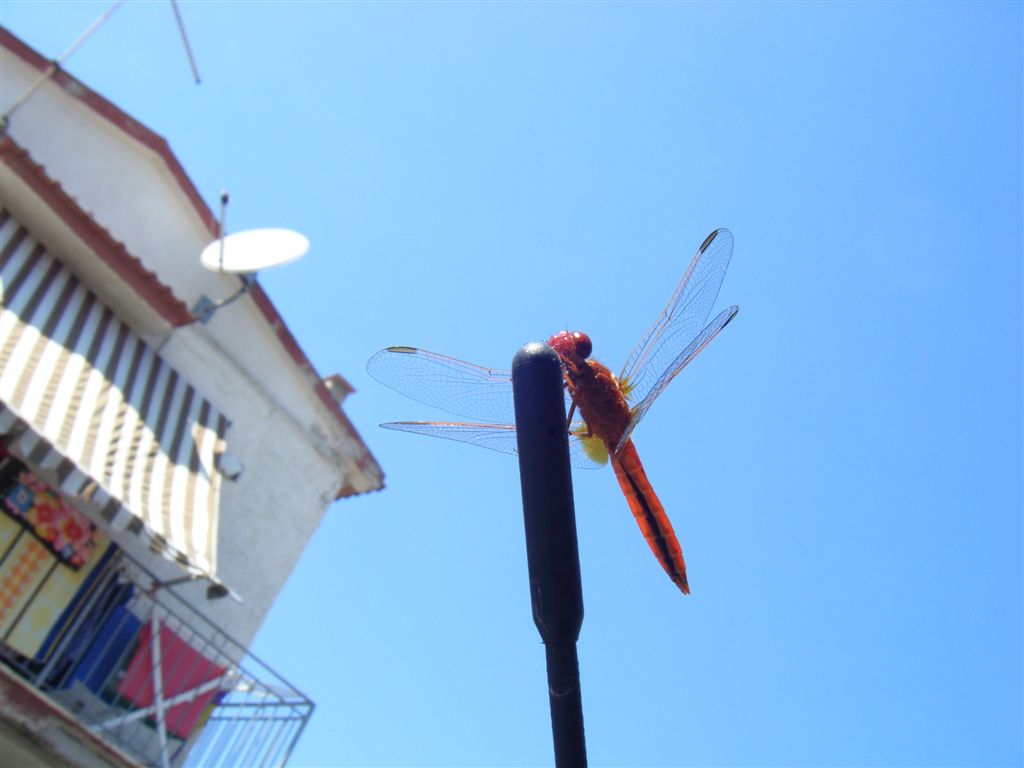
[(82, 394)]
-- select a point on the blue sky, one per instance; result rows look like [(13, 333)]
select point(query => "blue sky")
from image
[(843, 464)]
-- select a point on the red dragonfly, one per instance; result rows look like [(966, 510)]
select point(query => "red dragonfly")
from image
[(610, 407)]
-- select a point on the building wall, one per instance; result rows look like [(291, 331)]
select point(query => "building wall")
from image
[(294, 452)]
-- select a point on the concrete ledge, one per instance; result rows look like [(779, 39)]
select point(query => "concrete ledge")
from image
[(37, 732)]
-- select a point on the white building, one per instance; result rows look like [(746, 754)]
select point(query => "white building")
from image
[(149, 463)]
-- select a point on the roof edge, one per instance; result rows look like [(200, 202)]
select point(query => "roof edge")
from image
[(366, 463), (77, 90), (101, 242)]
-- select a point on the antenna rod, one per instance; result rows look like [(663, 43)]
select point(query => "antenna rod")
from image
[(92, 28), (225, 198), (184, 39), (56, 63)]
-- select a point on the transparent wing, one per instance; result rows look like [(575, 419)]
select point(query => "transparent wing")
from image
[(446, 383), (497, 437), (679, 325), (691, 351), (468, 390)]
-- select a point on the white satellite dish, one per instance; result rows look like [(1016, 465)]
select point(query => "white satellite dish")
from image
[(252, 250), (245, 254)]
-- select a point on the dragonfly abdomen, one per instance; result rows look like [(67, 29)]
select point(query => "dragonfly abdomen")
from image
[(649, 513)]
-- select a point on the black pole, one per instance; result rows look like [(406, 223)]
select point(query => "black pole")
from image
[(551, 550)]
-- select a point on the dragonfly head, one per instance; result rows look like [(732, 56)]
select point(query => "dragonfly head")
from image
[(572, 346)]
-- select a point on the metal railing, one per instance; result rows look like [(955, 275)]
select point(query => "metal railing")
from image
[(141, 668)]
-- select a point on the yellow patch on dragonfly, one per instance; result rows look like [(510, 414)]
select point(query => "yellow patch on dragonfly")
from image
[(626, 387), (594, 448)]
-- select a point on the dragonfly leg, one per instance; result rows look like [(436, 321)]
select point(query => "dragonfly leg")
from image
[(572, 409)]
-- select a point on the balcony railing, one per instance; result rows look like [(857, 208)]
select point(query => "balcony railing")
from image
[(142, 669)]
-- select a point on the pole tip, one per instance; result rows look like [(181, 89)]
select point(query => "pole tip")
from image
[(535, 352)]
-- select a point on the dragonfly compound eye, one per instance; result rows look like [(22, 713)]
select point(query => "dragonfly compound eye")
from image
[(571, 345), (583, 344), (563, 343)]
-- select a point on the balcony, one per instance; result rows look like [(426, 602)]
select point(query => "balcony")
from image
[(131, 672)]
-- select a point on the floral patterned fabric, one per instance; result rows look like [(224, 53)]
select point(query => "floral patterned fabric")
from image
[(64, 530)]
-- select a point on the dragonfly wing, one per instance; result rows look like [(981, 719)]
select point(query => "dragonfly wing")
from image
[(446, 383), (677, 328), (682, 360), (450, 384), (496, 437)]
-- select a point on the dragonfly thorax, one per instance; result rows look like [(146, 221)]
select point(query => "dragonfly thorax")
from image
[(597, 393)]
